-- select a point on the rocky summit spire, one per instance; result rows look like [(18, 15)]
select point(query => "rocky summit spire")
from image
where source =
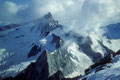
[(48, 16)]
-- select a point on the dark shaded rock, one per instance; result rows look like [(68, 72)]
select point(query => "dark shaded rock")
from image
[(46, 33), (2, 28), (86, 48), (102, 63), (48, 16), (9, 78), (57, 76), (117, 53), (99, 65), (56, 39), (34, 51), (39, 71), (51, 24), (109, 51), (19, 36), (28, 74), (35, 71)]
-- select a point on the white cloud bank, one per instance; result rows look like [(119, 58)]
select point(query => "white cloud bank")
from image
[(81, 16), (9, 11)]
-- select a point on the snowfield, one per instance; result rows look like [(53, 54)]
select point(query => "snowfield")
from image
[(112, 72), (66, 52)]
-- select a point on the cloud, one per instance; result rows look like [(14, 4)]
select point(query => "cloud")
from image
[(81, 16), (11, 7), (9, 10)]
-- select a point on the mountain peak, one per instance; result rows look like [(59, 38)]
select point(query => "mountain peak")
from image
[(48, 16)]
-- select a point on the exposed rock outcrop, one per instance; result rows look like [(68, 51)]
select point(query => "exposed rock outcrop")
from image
[(34, 51)]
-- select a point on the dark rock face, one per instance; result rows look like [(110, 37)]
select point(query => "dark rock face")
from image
[(51, 24), (96, 56), (19, 36), (107, 49), (35, 49), (56, 39), (117, 53), (46, 33), (7, 27), (97, 66), (102, 63), (59, 76), (86, 47), (2, 28), (35, 71), (49, 15), (9, 78), (39, 71)]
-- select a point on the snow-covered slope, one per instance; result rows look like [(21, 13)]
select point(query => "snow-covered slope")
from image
[(69, 61), (110, 72), (17, 42), (112, 41), (44, 43), (112, 44)]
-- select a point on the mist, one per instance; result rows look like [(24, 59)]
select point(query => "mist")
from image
[(80, 16)]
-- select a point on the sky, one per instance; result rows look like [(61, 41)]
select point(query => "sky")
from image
[(20, 2), (78, 15)]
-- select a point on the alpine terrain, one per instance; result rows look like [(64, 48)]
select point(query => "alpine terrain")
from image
[(42, 50)]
